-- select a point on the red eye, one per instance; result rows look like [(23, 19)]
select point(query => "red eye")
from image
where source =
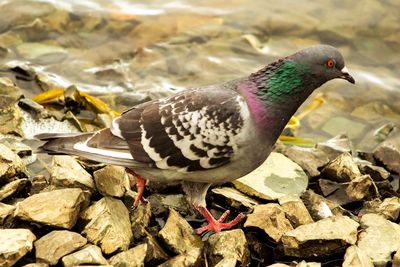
[(330, 63)]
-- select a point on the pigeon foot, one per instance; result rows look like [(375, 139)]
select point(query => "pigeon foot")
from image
[(140, 184), (214, 224)]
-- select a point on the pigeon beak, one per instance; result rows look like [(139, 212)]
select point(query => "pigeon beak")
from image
[(345, 75)]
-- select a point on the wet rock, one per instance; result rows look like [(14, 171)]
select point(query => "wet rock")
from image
[(187, 259), (321, 238), (107, 224), (311, 160), (140, 219), (56, 244), (377, 173), (66, 172), (336, 146), (271, 219), (90, 255), (389, 208), (111, 181), (14, 244), (133, 257), (59, 208), (11, 164), (389, 156), (179, 235), (295, 210), (379, 239), (6, 214), (160, 203), (12, 188), (341, 169), (343, 193), (271, 181), (356, 257), (235, 198), (228, 244)]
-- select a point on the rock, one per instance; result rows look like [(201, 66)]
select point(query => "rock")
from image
[(133, 257), (39, 182), (66, 172), (36, 265), (155, 253), (344, 193), (338, 125), (10, 115), (271, 181), (389, 208), (107, 224), (278, 265), (227, 262), (160, 203), (11, 164), (6, 212), (379, 239), (235, 198), (111, 180), (335, 146), (295, 210), (377, 173), (311, 160), (12, 188), (140, 218), (59, 208), (271, 219), (389, 155), (318, 206), (228, 244), (187, 259), (14, 244), (396, 259), (179, 235), (321, 238), (90, 255), (308, 264), (356, 257), (56, 244), (341, 169)]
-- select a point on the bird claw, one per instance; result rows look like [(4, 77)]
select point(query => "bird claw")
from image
[(217, 225)]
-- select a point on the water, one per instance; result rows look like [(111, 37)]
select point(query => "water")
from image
[(129, 51)]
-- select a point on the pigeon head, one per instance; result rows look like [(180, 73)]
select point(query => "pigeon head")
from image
[(323, 62)]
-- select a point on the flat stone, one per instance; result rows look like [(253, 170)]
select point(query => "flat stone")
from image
[(389, 208), (276, 177), (295, 210), (187, 259), (344, 193), (377, 173), (52, 247), (59, 208), (89, 255), (227, 244), (134, 257), (6, 212), (14, 244), (11, 164), (179, 235), (335, 146), (337, 125), (111, 180), (12, 188), (321, 238), (380, 238), (235, 198), (356, 257), (67, 172), (271, 219), (311, 160), (107, 224), (341, 169), (388, 154)]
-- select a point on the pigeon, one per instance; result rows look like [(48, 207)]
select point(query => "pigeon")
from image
[(207, 135)]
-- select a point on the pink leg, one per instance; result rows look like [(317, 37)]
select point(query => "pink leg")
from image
[(140, 183), (216, 225)]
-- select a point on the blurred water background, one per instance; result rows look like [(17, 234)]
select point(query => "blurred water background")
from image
[(127, 52)]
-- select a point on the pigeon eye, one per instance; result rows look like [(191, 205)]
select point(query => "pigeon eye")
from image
[(330, 63)]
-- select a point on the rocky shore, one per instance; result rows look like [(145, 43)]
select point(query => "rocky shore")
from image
[(304, 207)]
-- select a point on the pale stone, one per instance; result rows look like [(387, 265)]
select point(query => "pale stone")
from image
[(295, 210), (235, 198), (90, 255), (276, 177), (356, 257), (133, 257), (6, 211), (14, 244), (111, 180), (341, 169), (187, 259), (59, 208), (12, 188), (10, 163)]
